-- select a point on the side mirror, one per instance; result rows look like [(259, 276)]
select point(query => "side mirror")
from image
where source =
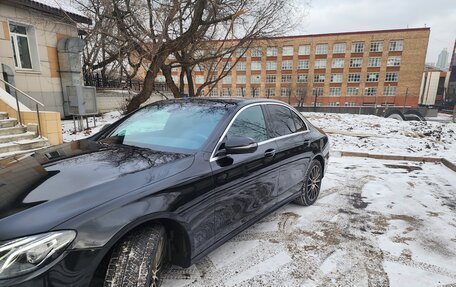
[(240, 145)]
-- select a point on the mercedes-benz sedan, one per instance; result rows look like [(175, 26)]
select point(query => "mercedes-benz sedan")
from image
[(167, 183)]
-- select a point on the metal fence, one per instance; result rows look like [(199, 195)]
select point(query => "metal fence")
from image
[(363, 110), (122, 84)]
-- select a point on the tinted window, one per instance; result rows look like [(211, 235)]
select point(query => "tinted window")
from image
[(250, 123), (169, 127), (300, 125), (282, 122)]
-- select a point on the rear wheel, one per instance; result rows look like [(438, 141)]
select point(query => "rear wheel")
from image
[(312, 184), (138, 260)]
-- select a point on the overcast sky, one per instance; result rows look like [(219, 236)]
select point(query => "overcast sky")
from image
[(326, 16)]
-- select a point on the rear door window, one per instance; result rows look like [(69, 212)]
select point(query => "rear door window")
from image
[(282, 122)]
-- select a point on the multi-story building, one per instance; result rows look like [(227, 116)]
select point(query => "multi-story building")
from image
[(442, 61), (351, 69), (434, 86)]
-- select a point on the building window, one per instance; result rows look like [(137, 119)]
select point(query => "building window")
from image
[(287, 65), (286, 78), (372, 77), (240, 79), (370, 91), (389, 91), (356, 62), (301, 92), (214, 92), (317, 92), (270, 92), (271, 65), (352, 91), (287, 51), (255, 79), (240, 66), (396, 45), (304, 50), (226, 92), (321, 49), (285, 92), (20, 44), (354, 78), (239, 92), (255, 92), (320, 64), (334, 91), (319, 78), (256, 66), (226, 66), (338, 63), (227, 80), (336, 78), (333, 104), (271, 78), (391, 77), (374, 62), (271, 52), (357, 47), (350, 104), (394, 61), (240, 52), (376, 46), (257, 52), (303, 64), (302, 78), (339, 48), (198, 80)]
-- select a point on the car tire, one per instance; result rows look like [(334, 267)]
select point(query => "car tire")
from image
[(138, 260), (312, 184)]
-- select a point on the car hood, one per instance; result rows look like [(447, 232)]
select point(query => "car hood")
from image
[(41, 190)]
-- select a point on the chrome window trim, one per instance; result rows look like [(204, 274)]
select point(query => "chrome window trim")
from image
[(214, 158)]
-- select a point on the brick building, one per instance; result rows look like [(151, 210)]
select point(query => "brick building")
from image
[(351, 69)]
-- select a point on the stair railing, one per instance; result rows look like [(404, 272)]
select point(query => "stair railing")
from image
[(37, 104)]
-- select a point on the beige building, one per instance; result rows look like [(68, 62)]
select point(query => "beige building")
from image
[(434, 85), (39, 48), (351, 69), (29, 34)]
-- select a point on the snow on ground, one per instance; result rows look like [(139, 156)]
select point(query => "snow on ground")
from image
[(68, 129), (376, 223), (366, 133)]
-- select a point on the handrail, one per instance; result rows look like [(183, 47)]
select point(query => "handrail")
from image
[(22, 92), (19, 108)]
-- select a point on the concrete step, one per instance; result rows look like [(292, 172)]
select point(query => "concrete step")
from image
[(22, 145), (8, 123), (17, 137), (3, 116), (12, 131)]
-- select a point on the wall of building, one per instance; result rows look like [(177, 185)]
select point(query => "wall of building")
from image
[(43, 81), (415, 42)]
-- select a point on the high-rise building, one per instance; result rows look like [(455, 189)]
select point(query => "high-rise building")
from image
[(450, 97), (442, 61)]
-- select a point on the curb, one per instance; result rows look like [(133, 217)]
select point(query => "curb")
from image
[(441, 160)]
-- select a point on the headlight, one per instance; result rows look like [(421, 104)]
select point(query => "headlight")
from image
[(29, 253)]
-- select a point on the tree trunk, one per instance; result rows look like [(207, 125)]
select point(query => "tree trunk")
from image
[(166, 70)]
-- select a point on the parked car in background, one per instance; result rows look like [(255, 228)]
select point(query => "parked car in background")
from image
[(167, 183)]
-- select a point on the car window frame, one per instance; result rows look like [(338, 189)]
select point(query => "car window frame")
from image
[(268, 124)]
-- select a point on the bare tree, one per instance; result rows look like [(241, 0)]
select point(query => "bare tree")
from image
[(181, 33)]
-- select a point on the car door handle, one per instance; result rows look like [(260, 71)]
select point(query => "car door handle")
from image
[(270, 153), (306, 143)]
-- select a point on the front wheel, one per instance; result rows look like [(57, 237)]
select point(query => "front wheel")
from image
[(138, 260), (312, 184)]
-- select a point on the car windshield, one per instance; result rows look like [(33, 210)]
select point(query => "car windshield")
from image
[(169, 127)]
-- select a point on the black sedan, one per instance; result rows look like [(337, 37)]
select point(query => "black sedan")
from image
[(166, 184)]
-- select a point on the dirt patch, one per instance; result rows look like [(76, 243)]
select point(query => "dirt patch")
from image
[(408, 168)]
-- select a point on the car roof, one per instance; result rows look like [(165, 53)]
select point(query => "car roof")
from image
[(235, 101)]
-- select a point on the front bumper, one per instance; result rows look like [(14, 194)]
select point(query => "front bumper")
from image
[(75, 269)]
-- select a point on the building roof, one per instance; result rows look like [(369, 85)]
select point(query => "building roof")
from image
[(57, 7)]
